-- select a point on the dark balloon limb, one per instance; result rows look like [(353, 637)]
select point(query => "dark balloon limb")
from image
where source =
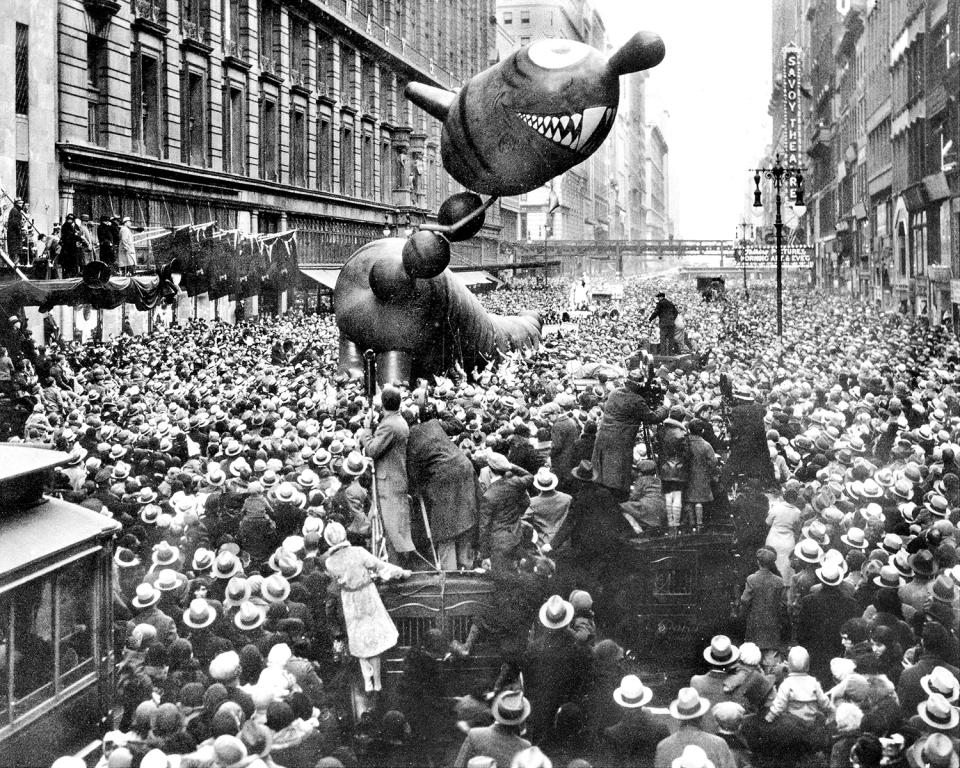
[(438, 324)]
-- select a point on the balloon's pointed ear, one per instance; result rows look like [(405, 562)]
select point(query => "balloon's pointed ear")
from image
[(434, 101), (642, 51)]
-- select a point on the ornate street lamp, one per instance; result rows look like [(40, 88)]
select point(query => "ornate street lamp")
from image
[(777, 174)]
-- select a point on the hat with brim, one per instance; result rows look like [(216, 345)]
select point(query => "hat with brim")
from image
[(938, 752), (721, 652), (584, 471), (286, 563), (941, 681), (902, 489), (236, 593), (688, 705), (150, 514), (202, 560), (199, 614), (510, 708), (145, 596), (632, 693), (889, 578), (275, 588), (923, 563), (354, 465), (938, 713), (854, 537), (556, 613), (901, 564), (829, 574), (169, 580), (125, 558), (225, 566), (545, 480), (808, 551), (249, 616), (165, 554), (938, 506)]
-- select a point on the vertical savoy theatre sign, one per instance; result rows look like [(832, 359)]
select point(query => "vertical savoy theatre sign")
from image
[(792, 134)]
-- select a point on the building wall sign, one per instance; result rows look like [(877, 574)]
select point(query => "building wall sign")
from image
[(790, 254), (791, 114)]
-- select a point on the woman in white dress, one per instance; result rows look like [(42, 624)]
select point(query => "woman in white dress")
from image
[(370, 630), (784, 520)]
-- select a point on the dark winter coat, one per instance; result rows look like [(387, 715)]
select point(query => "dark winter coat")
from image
[(624, 412), (818, 626), (763, 606), (701, 471), (563, 440), (749, 454), (439, 472)]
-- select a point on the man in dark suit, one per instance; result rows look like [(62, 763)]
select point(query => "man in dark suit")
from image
[(936, 650), (634, 739), (502, 740), (440, 473), (821, 616), (626, 409), (749, 454), (556, 667), (388, 449), (501, 508), (665, 313), (564, 433)]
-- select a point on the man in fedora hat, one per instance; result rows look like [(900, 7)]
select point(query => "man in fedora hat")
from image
[(936, 651), (714, 685), (821, 616), (502, 740), (633, 740), (549, 508), (688, 710), (144, 608), (555, 668), (625, 411)]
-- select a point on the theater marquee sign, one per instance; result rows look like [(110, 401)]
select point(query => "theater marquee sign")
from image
[(792, 127)]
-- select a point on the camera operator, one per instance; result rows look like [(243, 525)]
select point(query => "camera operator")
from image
[(639, 401)]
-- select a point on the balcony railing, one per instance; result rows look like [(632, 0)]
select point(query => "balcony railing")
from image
[(150, 10)]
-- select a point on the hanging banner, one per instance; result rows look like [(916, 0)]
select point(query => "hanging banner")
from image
[(792, 127)]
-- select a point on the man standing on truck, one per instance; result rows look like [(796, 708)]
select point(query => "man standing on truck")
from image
[(666, 314)]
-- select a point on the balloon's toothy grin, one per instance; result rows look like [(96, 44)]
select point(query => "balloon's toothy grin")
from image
[(573, 131)]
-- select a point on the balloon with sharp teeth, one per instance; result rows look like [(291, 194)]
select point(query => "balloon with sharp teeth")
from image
[(542, 110)]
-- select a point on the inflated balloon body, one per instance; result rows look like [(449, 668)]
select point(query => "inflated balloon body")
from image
[(541, 111), (417, 326)]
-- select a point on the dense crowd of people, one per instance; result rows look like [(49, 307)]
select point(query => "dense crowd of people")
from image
[(238, 462)]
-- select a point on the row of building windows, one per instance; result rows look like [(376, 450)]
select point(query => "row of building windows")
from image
[(149, 122)]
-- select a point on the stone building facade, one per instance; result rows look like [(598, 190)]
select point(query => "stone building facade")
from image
[(264, 115)]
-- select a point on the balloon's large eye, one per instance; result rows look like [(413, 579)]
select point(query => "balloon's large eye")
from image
[(557, 54)]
